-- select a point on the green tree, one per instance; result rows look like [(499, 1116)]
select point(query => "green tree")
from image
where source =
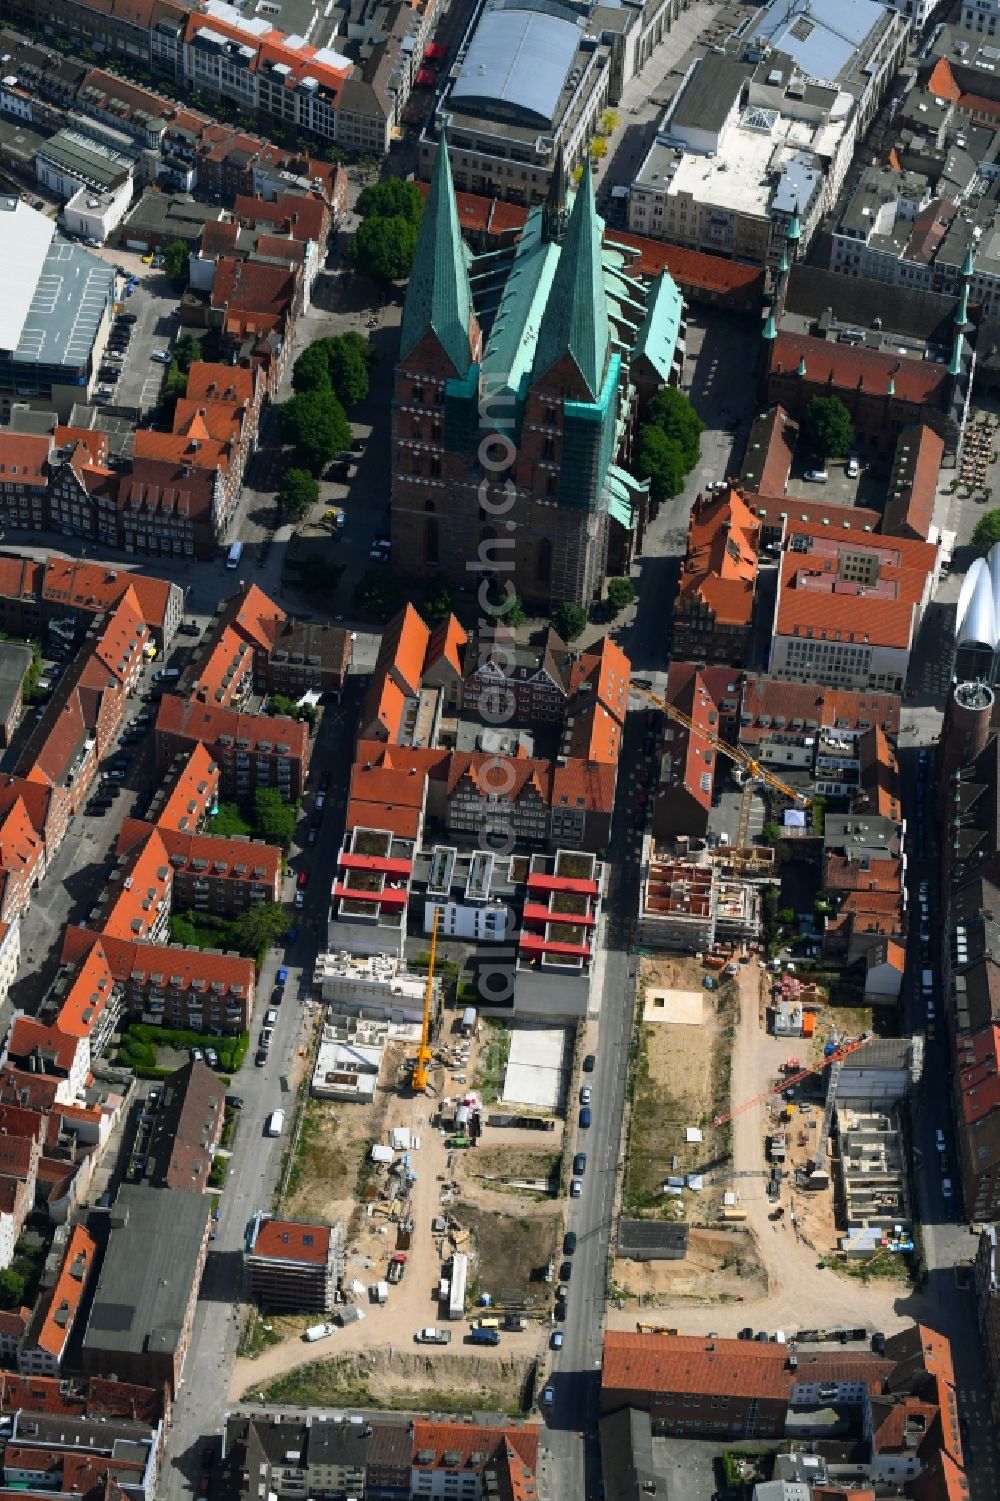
[(175, 262), (621, 593), (183, 930), (383, 248), (297, 493), (315, 425), (311, 371), (771, 833), (827, 427), (439, 602), (394, 198), (569, 620), (12, 1288), (671, 411), (273, 819), (256, 929), (317, 575), (188, 350), (660, 460), (348, 371), (228, 822), (176, 382), (376, 593), (986, 531), (787, 915)]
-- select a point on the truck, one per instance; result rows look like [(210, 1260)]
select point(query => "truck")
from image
[(318, 1331), (380, 1292), (483, 1337), (433, 1336), (468, 1021), (276, 1123), (397, 1266)]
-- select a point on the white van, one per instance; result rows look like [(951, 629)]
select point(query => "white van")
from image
[(235, 553), (927, 981), (276, 1123)]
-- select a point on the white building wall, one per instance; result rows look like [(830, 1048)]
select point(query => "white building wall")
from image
[(10, 958)]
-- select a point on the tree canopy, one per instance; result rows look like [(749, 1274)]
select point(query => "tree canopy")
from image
[(318, 575), (439, 602), (175, 262), (297, 493), (671, 411), (827, 428), (383, 247), (569, 620), (339, 364), (660, 460), (273, 818), (621, 593), (986, 531), (315, 425), (394, 198)]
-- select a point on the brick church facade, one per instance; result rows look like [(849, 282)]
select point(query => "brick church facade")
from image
[(512, 403)]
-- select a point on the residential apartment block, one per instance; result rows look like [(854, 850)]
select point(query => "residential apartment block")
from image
[(250, 750), (293, 1264)]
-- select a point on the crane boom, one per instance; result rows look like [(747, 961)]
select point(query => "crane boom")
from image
[(750, 765), (837, 1056), (418, 1079)]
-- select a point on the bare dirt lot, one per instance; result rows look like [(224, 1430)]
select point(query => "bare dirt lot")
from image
[(513, 1249), (720, 1264), (682, 1080)]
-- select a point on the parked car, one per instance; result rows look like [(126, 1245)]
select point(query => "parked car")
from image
[(575, 1188), (196, 1055), (580, 1163), (589, 1063), (548, 1395), (260, 1057), (303, 879), (161, 356), (569, 1242), (557, 1340)]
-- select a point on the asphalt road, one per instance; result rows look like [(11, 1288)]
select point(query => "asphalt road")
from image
[(256, 1158)]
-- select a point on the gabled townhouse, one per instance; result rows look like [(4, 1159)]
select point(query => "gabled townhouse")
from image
[(38, 1048), (185, 453), (43, 1348), (21, 1135), (170, 507), (250, 750), (505, 795), (222, 877), (682, 799), (713, 608), (395, 683), (526, 684), (83, 486), (252, 302), (24, 481)]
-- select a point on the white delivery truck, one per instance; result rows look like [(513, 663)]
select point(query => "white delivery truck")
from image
[(276, 1123), (235, 553), (319, 1331)]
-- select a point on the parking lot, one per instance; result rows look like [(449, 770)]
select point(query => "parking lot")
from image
[(152, 302)]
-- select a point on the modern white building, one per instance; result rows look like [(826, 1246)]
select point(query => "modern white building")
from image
[(379, 985), (765, 131), (55, 313)]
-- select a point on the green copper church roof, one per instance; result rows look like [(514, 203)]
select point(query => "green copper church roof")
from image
[(575, 321), (657, 338), (438, 296)]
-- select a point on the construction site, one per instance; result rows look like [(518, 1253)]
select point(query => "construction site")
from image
[(452, 1205)]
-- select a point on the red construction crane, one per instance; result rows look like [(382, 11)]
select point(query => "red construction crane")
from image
[(838, 1054)]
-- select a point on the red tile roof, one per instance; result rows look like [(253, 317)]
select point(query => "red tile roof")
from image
[(720, 568), (293, 1240), (589, 785), (192, 794), (814, 596), (849, 367), (66, 1296), (207, 723), (178, 450), (843, 874), (235, 383), (226, 672), (87, 997), (466, 1439), (132, 961), (134, 908), (447, 640), (24, 459), (913, 483), (774, 509), (301, 217), (804, 707), (208, 855), (714, 1367)]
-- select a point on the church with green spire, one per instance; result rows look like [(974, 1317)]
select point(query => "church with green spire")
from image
[(515, 394)]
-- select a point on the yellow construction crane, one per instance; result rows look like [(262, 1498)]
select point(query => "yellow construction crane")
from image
[(418, 1079), (753, 770)]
